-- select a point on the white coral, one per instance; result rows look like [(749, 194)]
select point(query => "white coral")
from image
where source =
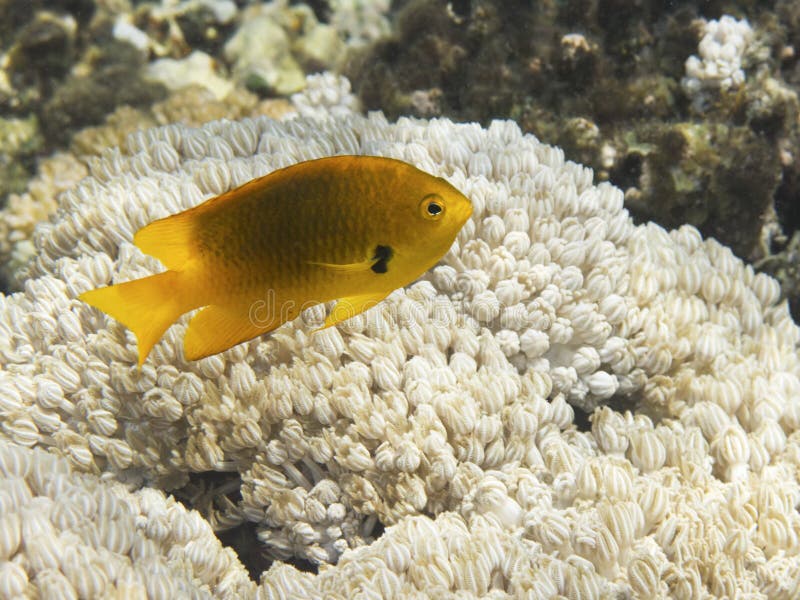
[(720, 64), (70, 535), (444, 397), (360, 21), (325, 96)]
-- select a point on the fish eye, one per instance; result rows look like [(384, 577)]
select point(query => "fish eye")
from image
[(432, 206)]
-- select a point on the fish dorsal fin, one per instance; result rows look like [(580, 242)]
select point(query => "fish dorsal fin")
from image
[(170, 240)]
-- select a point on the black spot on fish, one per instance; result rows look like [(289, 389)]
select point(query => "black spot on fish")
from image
[(383, 255)]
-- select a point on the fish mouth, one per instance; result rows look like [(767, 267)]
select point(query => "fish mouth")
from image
[(465, 211)]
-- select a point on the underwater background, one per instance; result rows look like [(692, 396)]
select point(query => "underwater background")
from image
[(689, 109)]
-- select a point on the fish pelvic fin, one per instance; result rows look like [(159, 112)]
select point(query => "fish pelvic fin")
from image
[(352, 306), (146, 306), (170, 240)]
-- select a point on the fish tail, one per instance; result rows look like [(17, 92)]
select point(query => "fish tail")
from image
[(146, 306)]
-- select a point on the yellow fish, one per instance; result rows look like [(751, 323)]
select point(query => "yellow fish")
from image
[(352, 228)]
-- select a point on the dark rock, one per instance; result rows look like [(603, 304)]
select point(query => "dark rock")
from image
[(113, 76)]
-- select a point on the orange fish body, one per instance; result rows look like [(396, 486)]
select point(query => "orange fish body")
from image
[(352, 228)]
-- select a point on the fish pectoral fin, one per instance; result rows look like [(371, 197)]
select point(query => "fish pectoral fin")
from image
[(378, 263), (348, 268), (352, 306), (218, 328)]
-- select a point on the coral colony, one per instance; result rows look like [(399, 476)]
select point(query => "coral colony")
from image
[(444, 414)]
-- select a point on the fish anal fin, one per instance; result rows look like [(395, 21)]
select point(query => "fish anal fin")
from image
[(170, 240), (351, 306), (218, 328)]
